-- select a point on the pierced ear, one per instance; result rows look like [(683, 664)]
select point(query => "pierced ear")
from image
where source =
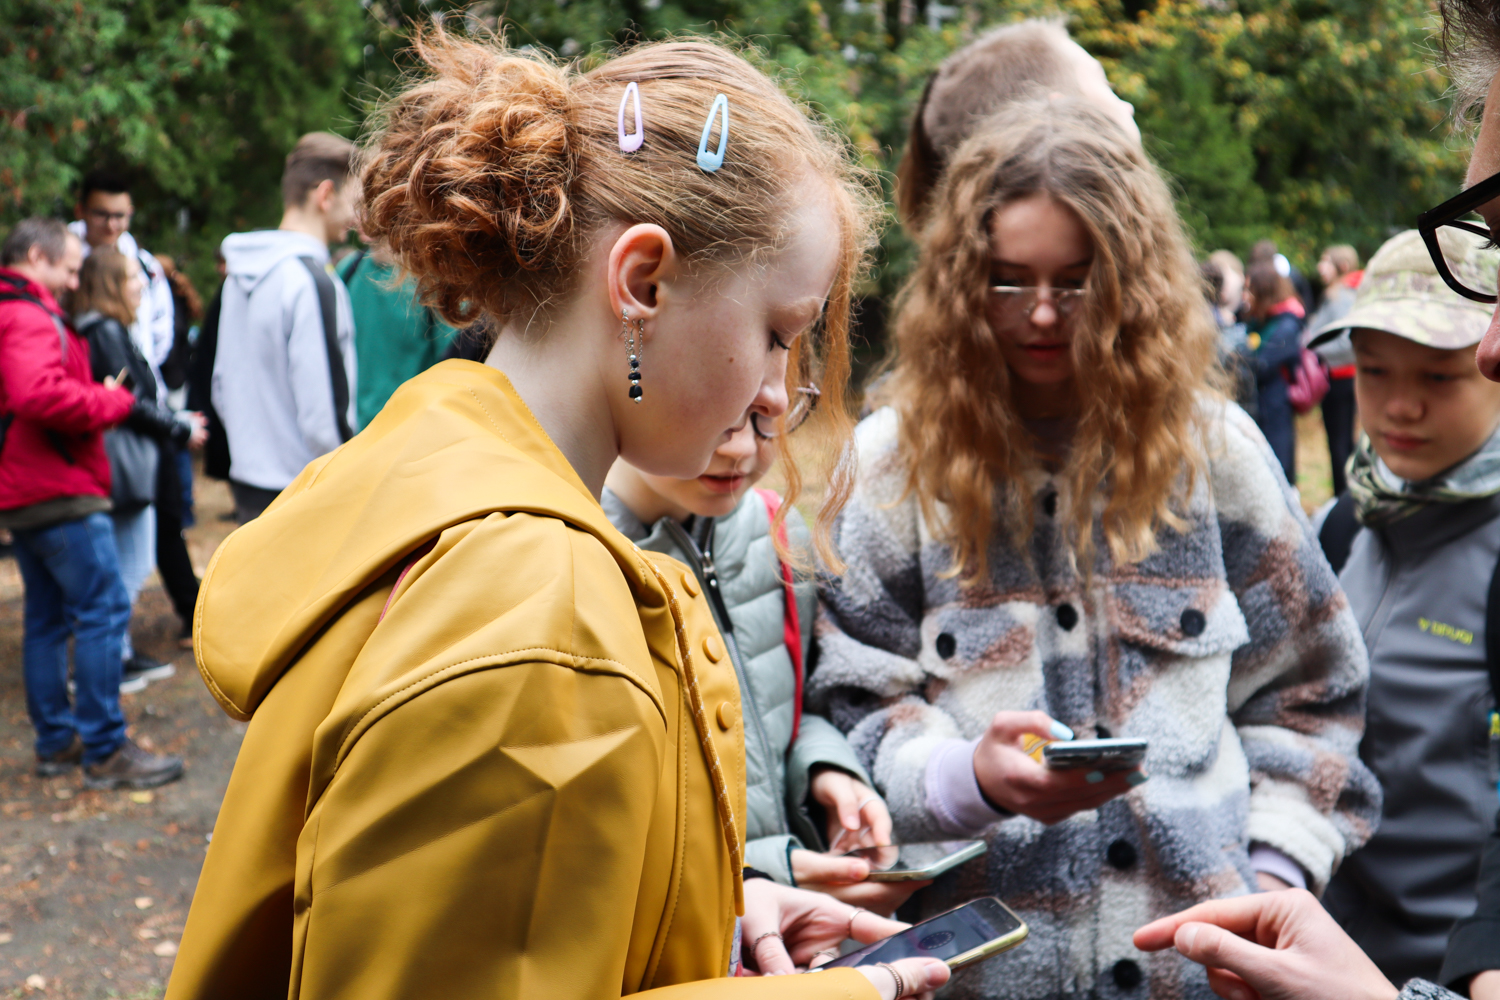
[(640, 260)]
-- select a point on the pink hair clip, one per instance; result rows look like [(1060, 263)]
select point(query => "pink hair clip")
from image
[(630, 143)]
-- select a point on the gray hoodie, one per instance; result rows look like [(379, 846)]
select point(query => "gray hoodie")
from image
[(1417, 587), (271, 383)]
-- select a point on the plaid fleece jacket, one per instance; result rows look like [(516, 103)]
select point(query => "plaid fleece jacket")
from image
[(1232, 649)]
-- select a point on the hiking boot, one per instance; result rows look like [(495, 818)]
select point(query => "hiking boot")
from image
[(132, 767), (140, 670), (62, 761)]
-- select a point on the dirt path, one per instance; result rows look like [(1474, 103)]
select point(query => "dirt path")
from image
[(95, 886)]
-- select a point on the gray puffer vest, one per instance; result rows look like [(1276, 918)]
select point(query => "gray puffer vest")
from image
[(735, 557)]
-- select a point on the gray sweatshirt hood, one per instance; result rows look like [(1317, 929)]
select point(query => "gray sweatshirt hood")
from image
[(249, 257)]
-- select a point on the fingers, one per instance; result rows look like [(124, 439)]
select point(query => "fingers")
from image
[(1009, 727), (921, 975), (1217, 948), (810, 867), (771, 956), (867, 928), (877, 817), (1239, 915)]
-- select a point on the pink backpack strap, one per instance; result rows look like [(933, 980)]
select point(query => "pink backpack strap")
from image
[(411, 561), (792, 626)]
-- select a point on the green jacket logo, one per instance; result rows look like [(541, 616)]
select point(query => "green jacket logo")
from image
[(1446, 631)]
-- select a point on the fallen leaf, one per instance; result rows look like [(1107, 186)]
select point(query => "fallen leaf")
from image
[(7, 938), (63, 793), (147, 934), (142, 844), (165, 949), (141, 797), (142, 880), (170, 829), (35, 982), (144, 902)]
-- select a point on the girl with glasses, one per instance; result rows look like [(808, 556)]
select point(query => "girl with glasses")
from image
[(1061, 529)]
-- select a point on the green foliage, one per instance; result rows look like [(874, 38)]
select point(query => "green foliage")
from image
[(197, 100), (1311, 121)]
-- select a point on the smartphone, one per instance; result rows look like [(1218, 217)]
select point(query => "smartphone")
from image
[(125, 379), (911, 862), (1098, 755), (971, 933)]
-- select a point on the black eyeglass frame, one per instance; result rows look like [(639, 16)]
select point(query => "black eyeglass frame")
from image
[(795, 416), (1448, 214)]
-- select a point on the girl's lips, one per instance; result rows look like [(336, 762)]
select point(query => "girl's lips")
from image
[(1402, 442), (722, 484), (1044, 350)]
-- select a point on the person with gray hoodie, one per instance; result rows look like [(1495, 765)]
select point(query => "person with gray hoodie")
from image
[(1423, 510), (284, 375)]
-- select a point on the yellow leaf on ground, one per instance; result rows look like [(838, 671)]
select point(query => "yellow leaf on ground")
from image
[(141, 797), (143, 902), (165, 949)]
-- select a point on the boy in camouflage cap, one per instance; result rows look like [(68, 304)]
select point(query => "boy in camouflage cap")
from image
[(1425, 485)]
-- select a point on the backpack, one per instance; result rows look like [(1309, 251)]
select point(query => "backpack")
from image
[(1307, 384), (14, 291), (328, 304), (1337, 537)]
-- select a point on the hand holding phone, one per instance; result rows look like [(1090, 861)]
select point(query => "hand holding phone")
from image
[(1012, 779), (962, 936), (913, 862)]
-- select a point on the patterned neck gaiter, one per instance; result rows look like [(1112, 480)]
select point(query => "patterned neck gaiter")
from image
[(1380, 496)]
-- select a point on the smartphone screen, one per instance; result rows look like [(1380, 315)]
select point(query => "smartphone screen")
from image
[(920, 860), (946, 936)]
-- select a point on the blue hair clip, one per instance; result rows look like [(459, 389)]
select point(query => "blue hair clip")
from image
[(630, 143), (709, 162)]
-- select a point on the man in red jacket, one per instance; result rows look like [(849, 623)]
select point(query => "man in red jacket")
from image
[(54, 498)]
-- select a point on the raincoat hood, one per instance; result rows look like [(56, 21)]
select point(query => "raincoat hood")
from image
[(357, 512)]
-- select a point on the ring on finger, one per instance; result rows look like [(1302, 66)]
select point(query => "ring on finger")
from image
[(768, 934), (857, 911), (900, 983), (861, 807)]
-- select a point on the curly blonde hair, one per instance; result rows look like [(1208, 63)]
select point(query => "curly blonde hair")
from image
[(1144, 347), (489, 176)]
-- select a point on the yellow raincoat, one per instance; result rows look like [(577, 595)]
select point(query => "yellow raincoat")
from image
[(518, 772)]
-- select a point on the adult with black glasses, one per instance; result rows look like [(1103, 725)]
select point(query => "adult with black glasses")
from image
[(1283, 945)]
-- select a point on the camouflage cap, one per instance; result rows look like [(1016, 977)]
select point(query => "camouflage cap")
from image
[(1402, 292)]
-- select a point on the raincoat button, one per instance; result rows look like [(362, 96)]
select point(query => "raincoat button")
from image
[(713, 648), (1193, 623), (946, 645), (726, 714), (1067, 616), (690, 584)]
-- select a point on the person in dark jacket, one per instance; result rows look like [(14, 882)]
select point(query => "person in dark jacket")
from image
[(1425, 481), (1275, 340), (54, 499), (108, 285)]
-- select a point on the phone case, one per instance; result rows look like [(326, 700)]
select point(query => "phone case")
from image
[(929, 871), (992, 948)]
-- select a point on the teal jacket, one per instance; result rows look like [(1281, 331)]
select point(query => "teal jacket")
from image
[(742, 561), (395, 337)]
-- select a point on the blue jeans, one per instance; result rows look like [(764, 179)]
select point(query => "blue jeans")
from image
[(72, 578), (135, 541)]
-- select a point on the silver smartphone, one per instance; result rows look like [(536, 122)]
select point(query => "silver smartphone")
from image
[(911, 862), (1098, 755), (970, 933)]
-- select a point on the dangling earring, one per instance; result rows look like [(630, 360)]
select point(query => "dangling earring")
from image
[(635, 340)]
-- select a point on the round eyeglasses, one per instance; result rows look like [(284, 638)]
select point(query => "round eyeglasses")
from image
[(802, 406), (1016, 303)]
